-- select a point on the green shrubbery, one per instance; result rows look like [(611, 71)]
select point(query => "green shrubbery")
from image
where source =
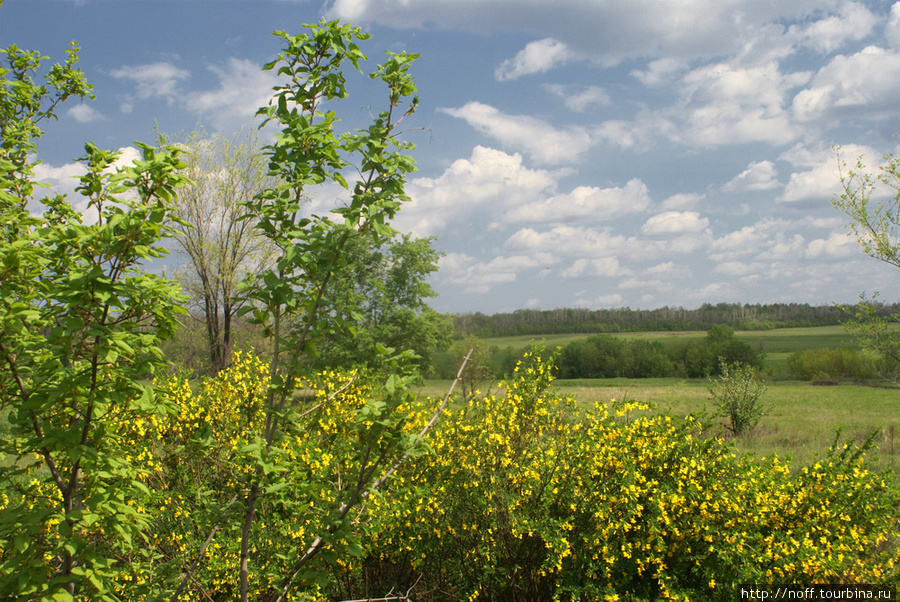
[(819, 364), (605, 356)]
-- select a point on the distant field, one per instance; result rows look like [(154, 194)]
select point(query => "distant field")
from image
[(801, 424)]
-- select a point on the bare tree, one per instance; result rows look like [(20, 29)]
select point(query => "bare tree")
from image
[(220, 248)]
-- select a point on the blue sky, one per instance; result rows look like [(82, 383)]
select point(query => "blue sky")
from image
[(587, 153)]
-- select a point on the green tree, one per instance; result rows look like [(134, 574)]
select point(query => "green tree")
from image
[(221, 248), (382, 292), (80, 327), (292, 300)]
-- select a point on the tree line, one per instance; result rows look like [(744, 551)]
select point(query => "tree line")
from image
[(581, 320)]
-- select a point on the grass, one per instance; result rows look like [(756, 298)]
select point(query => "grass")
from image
[(800, 425)]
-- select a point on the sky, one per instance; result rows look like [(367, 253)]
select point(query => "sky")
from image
[(586, 153)]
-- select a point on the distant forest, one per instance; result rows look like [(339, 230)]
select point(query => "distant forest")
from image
[(579, 320)]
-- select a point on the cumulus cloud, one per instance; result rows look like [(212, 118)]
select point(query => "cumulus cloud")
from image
[(659, 71), (603, 266), (64, 179), (585, 203), (682, 201), (479, 277), (864, 84), (837, 245), (537, 57), (579, 98), (852, 23), (243, 88), (818, 176), (154, 80), (489, 180), (892, 27), (84, 114), (675, 222), (729, 104), (761, 175), (537, 138)]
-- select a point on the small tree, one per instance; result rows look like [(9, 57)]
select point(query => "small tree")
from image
[(737, 390), (382, 291), (221, 248)]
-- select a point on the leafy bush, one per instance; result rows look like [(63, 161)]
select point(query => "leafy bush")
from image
[(606, 356), (526, 497), (817, 364), (737, 390)]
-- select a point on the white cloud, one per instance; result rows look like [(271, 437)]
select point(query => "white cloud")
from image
[(682, 201), (836, 245), (865, 84), (539, 139), (243, 88), (154, 80), (659, 71), (488, 181), (574, 242), (761, 175), (585, 203), (821, 178), (580, 98), (738, 268), (478, 277), (675, 222), (729, 104), (853, 22), (83, 113), (603, 266), (537, 57), (892, 27)]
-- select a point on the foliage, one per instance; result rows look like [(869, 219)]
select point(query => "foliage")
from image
[(876, 324), (220, 248), (292, 299), (872, 203), (88, 496), (526, 497), (381, 291), (80, 328), (606, 356), (827, 363), (736, 391)]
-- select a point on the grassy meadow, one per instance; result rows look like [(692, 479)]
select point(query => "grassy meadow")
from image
[(803, 418)]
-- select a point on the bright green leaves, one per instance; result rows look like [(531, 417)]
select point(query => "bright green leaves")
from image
[(80, 324)]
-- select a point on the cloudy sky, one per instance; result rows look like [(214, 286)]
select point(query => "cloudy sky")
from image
[(590, 153)]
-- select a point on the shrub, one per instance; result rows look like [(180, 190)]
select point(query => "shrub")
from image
[(737, 390), (527, 497), (819, 364)]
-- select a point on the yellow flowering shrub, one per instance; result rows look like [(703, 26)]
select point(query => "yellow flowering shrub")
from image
[(198, 461), (524, 497)]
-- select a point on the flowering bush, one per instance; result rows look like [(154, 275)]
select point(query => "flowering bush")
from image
[(524, 497)]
